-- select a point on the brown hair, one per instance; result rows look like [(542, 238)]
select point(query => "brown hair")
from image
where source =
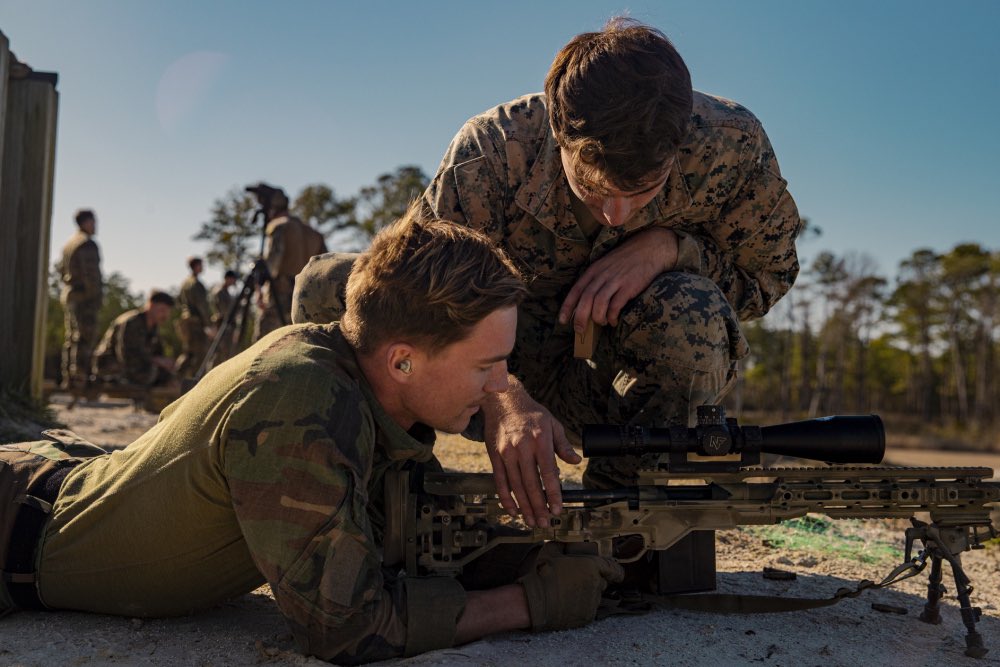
[(158, 296), (428, 282), (619, 102), (82, 216)]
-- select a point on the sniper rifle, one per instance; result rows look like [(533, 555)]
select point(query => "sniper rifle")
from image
[(709, 478)]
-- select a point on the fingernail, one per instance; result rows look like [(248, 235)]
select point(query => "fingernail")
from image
[(543, 522)]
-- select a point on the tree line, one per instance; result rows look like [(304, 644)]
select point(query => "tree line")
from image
[(848, 340)]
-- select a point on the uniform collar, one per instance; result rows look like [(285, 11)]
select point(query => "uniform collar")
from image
[(674, 197), (545, 193), (397, 443)]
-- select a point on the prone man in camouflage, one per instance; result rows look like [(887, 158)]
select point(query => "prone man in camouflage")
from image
[(80, 271), (289, 245), (130, 351), (631, 201), (271, 469), (193, 325)]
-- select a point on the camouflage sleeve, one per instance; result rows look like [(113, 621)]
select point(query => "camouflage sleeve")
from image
[(298, 457), (87, 260), (222, 301), (198, 303), (750, 253), (218, 309), (134, 356), (274, 249)]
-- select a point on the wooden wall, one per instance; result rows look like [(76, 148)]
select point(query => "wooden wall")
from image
[(28, 110)]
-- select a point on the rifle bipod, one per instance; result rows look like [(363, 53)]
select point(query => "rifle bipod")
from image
[(948, 543)]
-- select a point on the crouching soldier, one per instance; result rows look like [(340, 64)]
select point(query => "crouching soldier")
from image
[(131, 351), (271, 469)]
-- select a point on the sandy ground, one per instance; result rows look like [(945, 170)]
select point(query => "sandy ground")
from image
[(250, 631)]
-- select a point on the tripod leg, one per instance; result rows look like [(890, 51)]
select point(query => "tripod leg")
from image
[(243, 299)]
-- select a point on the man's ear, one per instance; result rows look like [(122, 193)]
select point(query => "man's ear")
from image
[(400, 361)]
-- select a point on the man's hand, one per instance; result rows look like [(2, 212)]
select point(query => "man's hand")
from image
[(522, 440), (563, 590), (621, 275)]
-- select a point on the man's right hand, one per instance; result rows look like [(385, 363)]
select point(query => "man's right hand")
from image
[(522, 441), (564, 590)]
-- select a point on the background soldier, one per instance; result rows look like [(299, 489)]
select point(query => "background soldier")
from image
[(290, 243), (196, 317), (131, 351), (80, 270), (222, 300)]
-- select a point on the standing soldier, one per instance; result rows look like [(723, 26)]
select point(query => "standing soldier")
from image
[(80, 270), (290, 244), (222, 301), (196, 316)]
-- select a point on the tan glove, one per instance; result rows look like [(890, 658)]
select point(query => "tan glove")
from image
[(564, 590)]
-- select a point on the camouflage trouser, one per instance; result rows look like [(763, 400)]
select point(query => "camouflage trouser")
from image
[(194, 345), (675, 348), (80, 319)]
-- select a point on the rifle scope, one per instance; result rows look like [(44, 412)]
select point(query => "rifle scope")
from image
[(840, 439)]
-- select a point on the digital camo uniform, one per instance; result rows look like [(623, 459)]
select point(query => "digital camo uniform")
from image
[(677, 343), (222, 300), (80, 270), (290, 244), (195, 316), (270, 469), (127, 349)]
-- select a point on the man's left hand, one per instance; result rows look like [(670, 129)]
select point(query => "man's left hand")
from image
[(621, 275)]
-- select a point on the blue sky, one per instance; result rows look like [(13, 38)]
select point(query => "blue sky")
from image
[(882, 114)]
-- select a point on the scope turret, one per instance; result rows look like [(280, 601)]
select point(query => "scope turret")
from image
[(838, 439)]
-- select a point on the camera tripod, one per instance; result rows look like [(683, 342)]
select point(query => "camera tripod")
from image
[(258, 276)]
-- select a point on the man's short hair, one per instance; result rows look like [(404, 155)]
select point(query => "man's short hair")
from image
[(427, 282), (619, 102), (158, 296), (191, 261), (83, 215), (230, 274)]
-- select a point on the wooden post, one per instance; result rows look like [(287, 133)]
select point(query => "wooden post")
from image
[(26, 177)]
